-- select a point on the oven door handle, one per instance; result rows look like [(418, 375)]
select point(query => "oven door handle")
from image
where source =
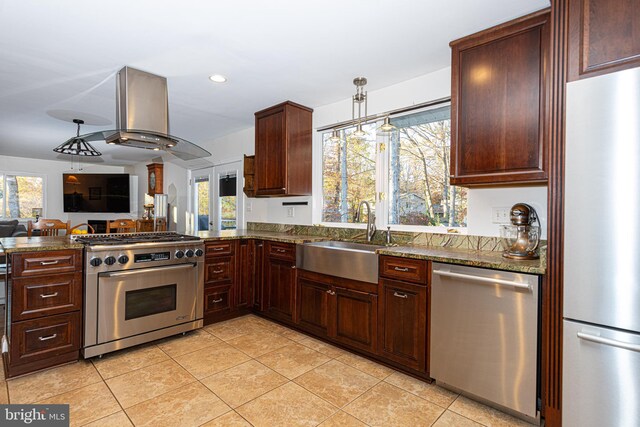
[(147, 270)]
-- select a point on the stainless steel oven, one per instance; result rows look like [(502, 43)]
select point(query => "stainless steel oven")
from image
[(137, 292)]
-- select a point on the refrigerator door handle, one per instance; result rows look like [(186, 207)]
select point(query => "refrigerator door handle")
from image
[(610, 342)]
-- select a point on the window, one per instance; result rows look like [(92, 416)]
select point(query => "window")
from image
[(20, 195), (409, 173), (228, 199)]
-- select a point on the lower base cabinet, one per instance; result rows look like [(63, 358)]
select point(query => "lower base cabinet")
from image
[(217, 301), (355, 315)]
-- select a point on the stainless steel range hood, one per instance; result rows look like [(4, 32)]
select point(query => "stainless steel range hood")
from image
[(142, 117)]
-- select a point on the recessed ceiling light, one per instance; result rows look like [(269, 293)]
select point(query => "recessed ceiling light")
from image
[(218, 78)]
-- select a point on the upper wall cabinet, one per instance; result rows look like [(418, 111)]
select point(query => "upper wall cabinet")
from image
[(283, 151), (499, 104), (604, 36)]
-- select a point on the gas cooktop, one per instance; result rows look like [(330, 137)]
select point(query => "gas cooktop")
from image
[(132, 238)]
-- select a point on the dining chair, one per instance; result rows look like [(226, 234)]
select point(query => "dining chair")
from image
[(121, 226), (48, 227)]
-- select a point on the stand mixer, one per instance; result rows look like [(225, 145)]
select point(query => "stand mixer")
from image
[(521, 238)]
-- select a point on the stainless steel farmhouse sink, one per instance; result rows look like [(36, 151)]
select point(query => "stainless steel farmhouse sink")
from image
[(355, 261)]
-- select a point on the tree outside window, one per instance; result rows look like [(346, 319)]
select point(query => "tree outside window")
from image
[(19, 195)]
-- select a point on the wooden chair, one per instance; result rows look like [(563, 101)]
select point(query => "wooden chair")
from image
[(121, 226), (48, 227)]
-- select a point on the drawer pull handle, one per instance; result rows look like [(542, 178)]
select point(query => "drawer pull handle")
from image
[(330, 292), (280, 250), (217, 271), (405, 269), (49, 262), (215, 301), (50, 337), (55, 294), (218, 249), (400, 295)]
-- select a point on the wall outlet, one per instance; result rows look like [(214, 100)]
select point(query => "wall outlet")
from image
[(291, 212), (249, 206), (500, 215)]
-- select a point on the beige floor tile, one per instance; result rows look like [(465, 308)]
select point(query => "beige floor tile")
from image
[(258, 343), (342, 419), (287, 405), (119, 419), (4, 393), (193, 405), (237, 327), (149, 382), (387, 405), (87, 404), (42, 385), (293, 360), (183, 344), (211, 360), (240, 384), (484, 414), (451, 419), (367, 366), (127, 360), (322, 347), (431, 392), (294, 335), (230, 419), (336, 382)]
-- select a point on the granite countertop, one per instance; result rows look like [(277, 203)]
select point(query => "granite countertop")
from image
[(473, 258), (10, 245), (255, 234)]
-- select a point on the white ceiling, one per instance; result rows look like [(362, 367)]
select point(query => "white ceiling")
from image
[(58, 59)]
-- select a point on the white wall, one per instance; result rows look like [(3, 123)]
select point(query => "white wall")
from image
[(415, 91), (52, 171)]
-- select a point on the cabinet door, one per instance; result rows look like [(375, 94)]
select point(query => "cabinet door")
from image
[(403, 320), (270, 162), (499, 104), (604, 36), (354, 318), (312, 307), (280, 281), (258, 277), (245, 274)]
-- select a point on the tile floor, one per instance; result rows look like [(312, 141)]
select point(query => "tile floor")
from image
[(243, 372)]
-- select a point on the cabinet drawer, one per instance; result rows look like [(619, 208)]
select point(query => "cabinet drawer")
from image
[(219, 248), (410, 270), (282, 250), (219, 270), (46, 262), (35, 297), (39, 339), (217, 299)]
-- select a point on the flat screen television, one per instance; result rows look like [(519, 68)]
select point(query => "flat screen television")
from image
[(96, 192)]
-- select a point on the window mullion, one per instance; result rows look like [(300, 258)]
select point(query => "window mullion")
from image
[(382, 184)]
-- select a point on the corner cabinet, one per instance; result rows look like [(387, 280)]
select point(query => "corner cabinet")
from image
[(283, 151), (604, 36), (499, 85)]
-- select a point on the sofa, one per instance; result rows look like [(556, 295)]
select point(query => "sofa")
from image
[(12, 229)]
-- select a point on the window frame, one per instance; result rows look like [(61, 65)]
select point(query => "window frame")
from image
[(3, 205), (382, 186)]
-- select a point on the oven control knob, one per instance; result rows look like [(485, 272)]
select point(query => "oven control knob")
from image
[(189, 253), (199, 252), (179, 254), (95, 261), (123, 259), (110, 260)]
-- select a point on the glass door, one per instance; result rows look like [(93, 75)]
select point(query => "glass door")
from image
[(202, 199), (228, 196)]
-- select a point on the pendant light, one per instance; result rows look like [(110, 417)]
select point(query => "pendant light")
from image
[(358, 101), (77, 146), (386, 126), (335, 136)]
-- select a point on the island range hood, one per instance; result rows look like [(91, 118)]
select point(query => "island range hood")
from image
[(142, 117)]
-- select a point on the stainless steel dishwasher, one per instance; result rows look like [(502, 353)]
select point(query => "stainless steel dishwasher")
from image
[(484, 335)]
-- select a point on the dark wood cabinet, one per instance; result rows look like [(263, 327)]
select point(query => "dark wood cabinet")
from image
[(354, 314), (218, 302), (313, 310), (604, 36), (282, 165), (45, 318), (499, 111), (280, 279), (403, 323), (258, 277), (245, 275), (221, 280)]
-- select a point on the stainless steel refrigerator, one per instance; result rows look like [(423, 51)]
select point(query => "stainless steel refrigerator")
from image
[(601, 347)]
